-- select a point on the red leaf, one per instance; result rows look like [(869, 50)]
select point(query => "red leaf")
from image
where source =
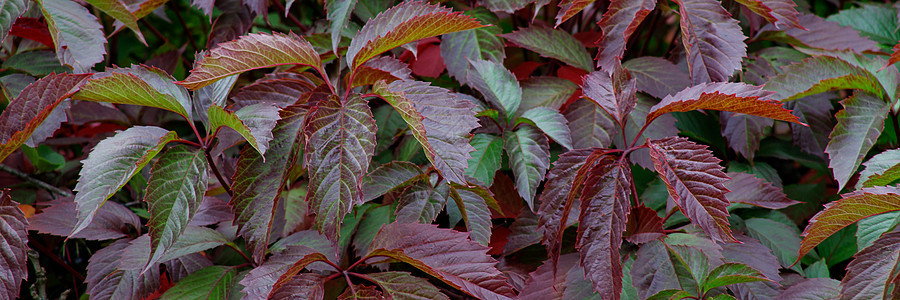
[(781, 13), (32, 29), (571, 73), (618, 24), (384, 68), (616, 98), (712, 39), (695, 181), (725, 96), (524, 70), (33, 105), (507, 197), (895, 57), (428, 62), (644, 225), (570, 8), (850, 208)]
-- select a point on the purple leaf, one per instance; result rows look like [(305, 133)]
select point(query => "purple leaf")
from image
[(870, 273), (474, 210), (814, 110), (543, 91), (384, 68), (590, 125), (644, 225), (13, 241), (109, 223), (181, 267), (390, 177), (618, 24), (813, 289), (749, 189), (403, 285), (259, 282), (106, 281), (820, 34), (743, 132), (616, 101), (302, 286), (561, 190), (653, 271), (77, 34), (547, 283), (282, 91), (712, 40), (656, 76), (421, 202), (781, 13), (524, 232), (724, 96)]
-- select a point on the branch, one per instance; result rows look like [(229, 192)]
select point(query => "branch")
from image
[(35, 181)]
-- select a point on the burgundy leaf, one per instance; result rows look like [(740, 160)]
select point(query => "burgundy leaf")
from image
[(751, 253), (439, 120), (340, 142), (389, 177), (384, 68), (560, 190), (106, 281), (282, 91), (473, 206), (259, 282), (869, 274), (813, 289), (570, 8), (212, 210), (656, 76), (257, 181), (296, 267), (858, 126), (712, 39), (446, 254), (744, 132), (644, 225), (524, 232), (599, 87), (661, 127), (620, 21), (421, 202), (749, 189), (13, 241), (234, 22), (590, 125), (302, 286), (781, 13), (725, 96), (696, 182), (605, 205), (34, 104), (820, 34), (181, 267), (653, 271), (814, 110), (109, 223), (547, 283)]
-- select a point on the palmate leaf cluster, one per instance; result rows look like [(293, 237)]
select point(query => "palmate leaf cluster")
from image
[(491, 149)]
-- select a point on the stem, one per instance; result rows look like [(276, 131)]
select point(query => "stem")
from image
[(212, 165), (188, 143), (289, 16), (187, 31), (238, 250), (639, 134), (367, 278), (158, 34), (670, 213), (349, 283), (35, 181)]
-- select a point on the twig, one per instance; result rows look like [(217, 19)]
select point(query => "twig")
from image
[(158, 34), (35, 181), (187, 31), (289, 16)]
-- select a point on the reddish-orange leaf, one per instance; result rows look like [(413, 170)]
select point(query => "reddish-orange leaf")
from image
[(569, 8), (404, 23), (385, 68), (725, 96), (253, 51), (850, 208), (296, 268), (895, 57), (778, 12)]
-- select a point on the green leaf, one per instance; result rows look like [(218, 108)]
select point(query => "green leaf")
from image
[(691, 266), (120, 12), (390, 177), (889, 78), (496, 84), (529, 158), (712, 40), (486, 158), (475, 213), (731, 273), (77, 34), (193, 240), (111, 165), (258, 180), (782, 239), (254, 123), (858, 126), (653, 271), (421, 202), (877, 22), (338, 12), (37, 63), (340, 143), (177, 183), (553, 43), (551, 122), (543, 91), (478, 44), (882, 169), (250, 52), (850, 208), (369, 226), (138, 85), (438, 119), (821, 74), (819, 269), (217, 93), (14, 240), (871, 228), (670, 295), (9, 12), (32, 107), (404, 23), (213, 282), (402, 285)]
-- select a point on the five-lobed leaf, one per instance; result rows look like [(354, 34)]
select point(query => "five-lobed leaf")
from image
[(111, 165), (249, 52)]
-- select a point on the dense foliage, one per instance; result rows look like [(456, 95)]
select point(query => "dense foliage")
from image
[(493, 149)]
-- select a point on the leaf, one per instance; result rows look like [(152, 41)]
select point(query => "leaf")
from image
[(404, 23), (661, 127), (283, 91), (888, 78), (507, 6), (58, 219), (402, 285), (138, 85), (656, 76), (619, 22), (215, 93), (175, 189), (871, 228), (870, 272), (105, 281), (77, 34), (486, 158), (439, 120), (732, 273), (567, 174), (812, 289), (179, 268), (749, 189), (696, 182), (781, 13), (193, 240), (551, 122), (744, 132), (882, 169), (552, 43), (250, 52), (212, 282), (750, 252), (895, 57), (13, 240), (390, 177), (120, 12), (543, 91), (543, 284), (476, 44), (298, 266), (590, 126), (9, 12), (850, 208), (820, 74), (814, 110), (475, 213), (712, 40), (570, 8), (31, 107), (259, 282), (37, 63), (421, 202), (340, 141), (877, 22), (529, 158), (643, 225), (733, 97), (258, 180), (599, 87), (111, 165), (338, 12), (605, 205), (783, 239), (497, 84), (819, 34), (384, 68), (652, 271), (446, 254), (254, 123), (302, 286), (858, 126)]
